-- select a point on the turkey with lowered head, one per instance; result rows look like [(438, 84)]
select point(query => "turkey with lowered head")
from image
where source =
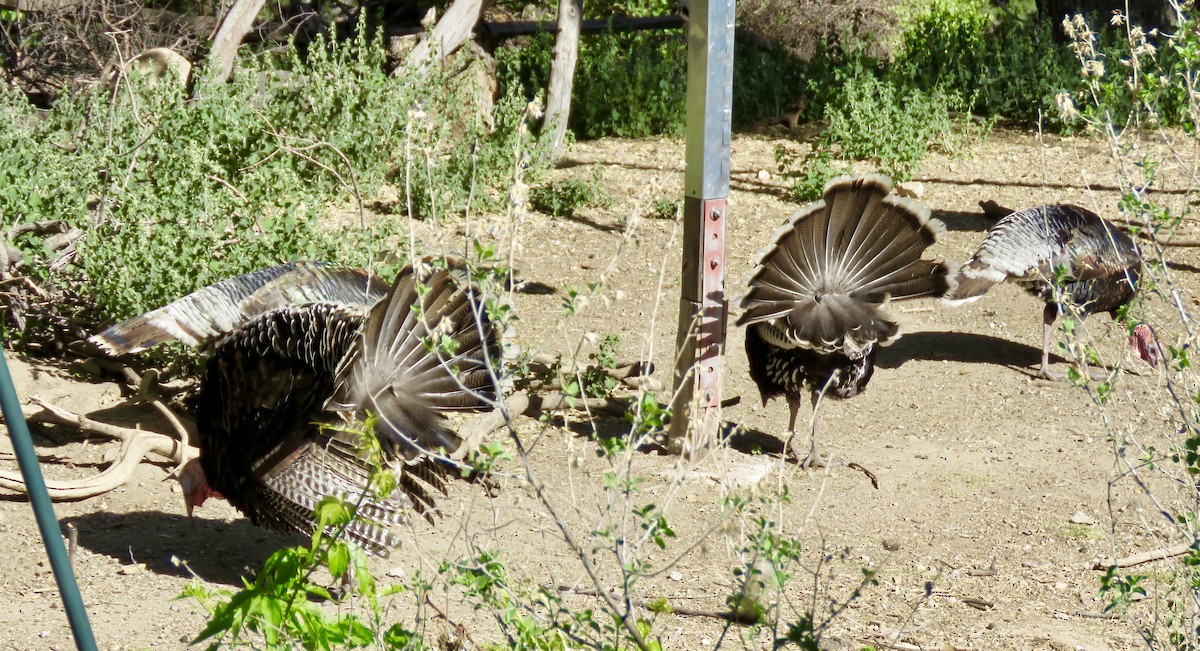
[(302, 345), (1070, 258), (813, 313)]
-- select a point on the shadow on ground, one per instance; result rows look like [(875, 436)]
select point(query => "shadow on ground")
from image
[(217, 551), (964, 347)]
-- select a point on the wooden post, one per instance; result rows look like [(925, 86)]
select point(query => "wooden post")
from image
[(451, 31), (562, 72), (237, 23), (700, 342)]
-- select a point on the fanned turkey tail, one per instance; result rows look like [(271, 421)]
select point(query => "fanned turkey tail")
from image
[(833, 265), (215, 311), (427, 347)]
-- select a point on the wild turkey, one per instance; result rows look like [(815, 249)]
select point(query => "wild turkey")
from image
[(814, 307), (307, 344), (1067, 256)]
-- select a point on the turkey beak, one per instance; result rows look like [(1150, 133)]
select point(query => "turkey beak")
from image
[(185, 484)]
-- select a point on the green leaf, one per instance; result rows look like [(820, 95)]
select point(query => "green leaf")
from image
[(337, 558)]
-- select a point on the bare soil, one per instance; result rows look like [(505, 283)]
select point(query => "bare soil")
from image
[(997, 491)]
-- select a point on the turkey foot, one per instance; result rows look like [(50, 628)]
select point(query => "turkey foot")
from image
[(813, 458)]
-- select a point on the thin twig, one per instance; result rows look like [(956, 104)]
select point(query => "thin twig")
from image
[(1144, 557), (664, 606), (459, 628)]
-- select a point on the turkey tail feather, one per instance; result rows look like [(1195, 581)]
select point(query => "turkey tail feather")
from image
[(834, 263), (425, 348)]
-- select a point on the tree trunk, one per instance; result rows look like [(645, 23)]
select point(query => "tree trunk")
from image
[(1147, 13), (562, 72), (237, 23), (451, 31)]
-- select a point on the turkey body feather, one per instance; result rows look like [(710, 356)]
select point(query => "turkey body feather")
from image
[(1059, 253), (213, 312), (1067, 256), (814, 308), (285, 386)]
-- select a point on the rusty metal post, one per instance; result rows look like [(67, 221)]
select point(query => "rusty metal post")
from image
[(700, 342)]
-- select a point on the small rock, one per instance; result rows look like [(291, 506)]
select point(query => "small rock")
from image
[(764, 175), (397, 573), (675, 576), (913, 189), (705, 641), (1082, 518)]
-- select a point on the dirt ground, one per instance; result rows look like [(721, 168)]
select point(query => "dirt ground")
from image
[(997, 491)]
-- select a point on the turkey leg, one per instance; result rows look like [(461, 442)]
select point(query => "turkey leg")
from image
[(1049, 315), (813, 459)]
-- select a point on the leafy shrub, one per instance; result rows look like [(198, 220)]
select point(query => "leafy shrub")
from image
[(892, 126), (567, 195), (627, 85), (176, 194)]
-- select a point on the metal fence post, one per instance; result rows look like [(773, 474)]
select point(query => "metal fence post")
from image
[(43, 511), (700, 342)]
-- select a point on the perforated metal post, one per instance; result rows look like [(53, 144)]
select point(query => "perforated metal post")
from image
[(700, 342)]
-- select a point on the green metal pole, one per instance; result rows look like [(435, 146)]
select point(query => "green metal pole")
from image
[(18, 430)]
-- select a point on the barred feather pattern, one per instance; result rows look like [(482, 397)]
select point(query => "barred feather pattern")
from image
[(215, 311), (813, 310), (271, 383), (1096, 266)]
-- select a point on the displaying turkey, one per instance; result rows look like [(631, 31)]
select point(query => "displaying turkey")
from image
[(814, 312), (1070, 258), (302, 345)]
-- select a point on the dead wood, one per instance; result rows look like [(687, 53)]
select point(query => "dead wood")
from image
[(447, 36), (135, 445), (237, 23), (1144, 557), (562, 73)]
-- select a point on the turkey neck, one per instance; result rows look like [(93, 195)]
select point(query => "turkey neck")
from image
[(796, 371)]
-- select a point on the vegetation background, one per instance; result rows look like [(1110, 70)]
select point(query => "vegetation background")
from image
[(119, 192)]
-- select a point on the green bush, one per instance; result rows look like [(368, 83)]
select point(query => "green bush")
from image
[(174, 194), (566, 196), (892, 126), (1010, 62), (627, 85)]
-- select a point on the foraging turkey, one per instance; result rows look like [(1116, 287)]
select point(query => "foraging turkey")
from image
[(1070, 258), (304, 344), (814, 312)]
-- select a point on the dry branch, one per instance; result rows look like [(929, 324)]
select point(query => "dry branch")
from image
[(562, 73), (135, 445), (451, 31), (664, 605), (237, 23), (634, 374), (1144, 557)]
